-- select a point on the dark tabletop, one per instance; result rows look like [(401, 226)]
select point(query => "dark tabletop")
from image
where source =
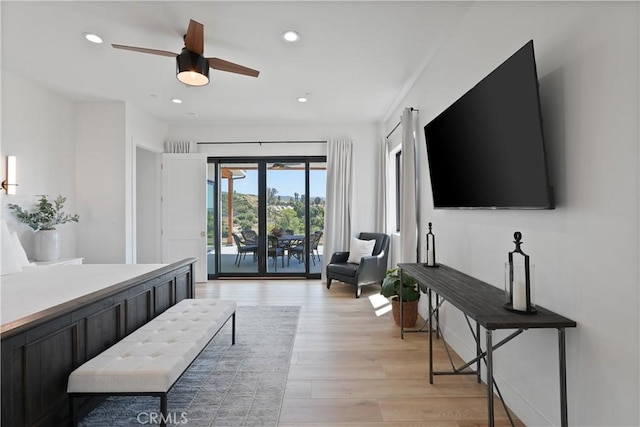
[(479, 300)]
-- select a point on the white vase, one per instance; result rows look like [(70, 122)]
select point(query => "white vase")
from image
[(47, 245)]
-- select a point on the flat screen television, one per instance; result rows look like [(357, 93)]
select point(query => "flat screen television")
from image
[(486, 150)]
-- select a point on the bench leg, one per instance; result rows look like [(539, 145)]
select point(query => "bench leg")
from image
[(233, 328), (72, 413), (163, 410)]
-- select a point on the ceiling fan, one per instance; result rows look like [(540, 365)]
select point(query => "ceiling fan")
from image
[(192, 67)]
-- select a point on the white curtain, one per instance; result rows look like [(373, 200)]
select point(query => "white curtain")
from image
[(409, 197), (337, 210), (179, 147), (381, 187)]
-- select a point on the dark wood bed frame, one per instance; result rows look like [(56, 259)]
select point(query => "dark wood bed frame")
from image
[(40, 351)]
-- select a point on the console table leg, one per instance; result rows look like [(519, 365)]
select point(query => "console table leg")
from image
[(73, 421), (401, 304), (163, 409), (437, 316), (478, 353), (564, 419), (431, 317), (489, 345)]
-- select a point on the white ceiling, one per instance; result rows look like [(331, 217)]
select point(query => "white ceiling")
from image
[(355, 59)]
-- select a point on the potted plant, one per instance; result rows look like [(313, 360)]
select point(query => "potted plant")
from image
[(410, 296), (43, 219)]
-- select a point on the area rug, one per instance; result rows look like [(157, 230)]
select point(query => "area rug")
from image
[(227, 385)]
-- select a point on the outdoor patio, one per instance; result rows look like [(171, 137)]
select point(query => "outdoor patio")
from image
[(249, 265)]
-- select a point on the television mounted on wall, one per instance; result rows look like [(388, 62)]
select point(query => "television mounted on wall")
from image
[(486, 150)]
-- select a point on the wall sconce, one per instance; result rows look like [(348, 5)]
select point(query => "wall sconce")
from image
[(9, 184)]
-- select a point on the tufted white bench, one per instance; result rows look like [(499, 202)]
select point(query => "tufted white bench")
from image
[(151, 359)]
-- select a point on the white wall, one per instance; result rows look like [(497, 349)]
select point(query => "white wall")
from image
[(100, 183), (38, 128), (147, 224), (107, 136), (84, 151), (586, 250), (365, 140), (147, 132)]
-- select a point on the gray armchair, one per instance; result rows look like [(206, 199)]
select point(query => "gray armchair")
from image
[(372, 269)]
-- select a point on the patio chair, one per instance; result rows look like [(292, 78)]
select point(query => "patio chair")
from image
[(297, 250), (274, 251), (243, 249), (317, 236), (250, 237)]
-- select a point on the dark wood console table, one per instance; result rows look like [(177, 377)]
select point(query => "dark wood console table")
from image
[(483, 303)]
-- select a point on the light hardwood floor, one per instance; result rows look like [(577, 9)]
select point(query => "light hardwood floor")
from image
[(350, 367)]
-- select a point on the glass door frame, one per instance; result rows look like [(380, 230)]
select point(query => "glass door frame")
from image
[(262, 163)]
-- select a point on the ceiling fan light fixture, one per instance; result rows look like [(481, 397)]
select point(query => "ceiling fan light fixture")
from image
[(192, 69)]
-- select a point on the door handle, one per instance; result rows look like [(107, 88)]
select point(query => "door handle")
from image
[(202, 234)]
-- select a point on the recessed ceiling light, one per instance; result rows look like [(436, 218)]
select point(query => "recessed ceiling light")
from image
[(303, 99), (176, 100), (93, 38), (291, 36)]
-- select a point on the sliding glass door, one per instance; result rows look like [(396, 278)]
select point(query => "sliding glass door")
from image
[(238, 215), (317, 189), (269, 216)]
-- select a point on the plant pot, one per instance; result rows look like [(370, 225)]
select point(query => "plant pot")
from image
[(410, 312), (47, 245)]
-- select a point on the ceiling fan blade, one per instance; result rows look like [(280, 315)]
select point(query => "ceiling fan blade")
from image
[(194, 39), (145, 50), (222, 65)]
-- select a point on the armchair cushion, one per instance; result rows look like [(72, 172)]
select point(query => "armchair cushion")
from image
[(339, 257), (349, 270), (360, 248)]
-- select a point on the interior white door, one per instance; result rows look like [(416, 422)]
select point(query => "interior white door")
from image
[(184, 211)]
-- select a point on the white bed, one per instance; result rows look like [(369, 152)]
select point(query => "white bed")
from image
[(55, 317)]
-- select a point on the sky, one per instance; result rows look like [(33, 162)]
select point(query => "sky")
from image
[(287, 182)]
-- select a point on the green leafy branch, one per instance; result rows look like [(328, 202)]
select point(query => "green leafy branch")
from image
[(47, 214)]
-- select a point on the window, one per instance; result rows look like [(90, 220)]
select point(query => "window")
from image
[(394, 188)]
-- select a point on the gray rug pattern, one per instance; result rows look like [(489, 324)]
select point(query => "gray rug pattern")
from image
[(227, 385)]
